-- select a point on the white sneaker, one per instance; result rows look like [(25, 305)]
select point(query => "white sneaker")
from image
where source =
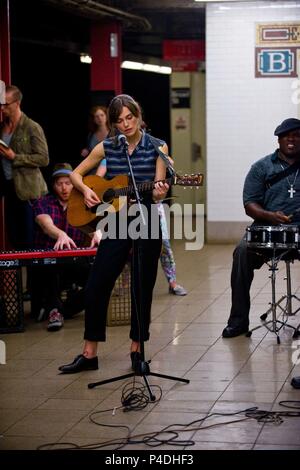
[(55, 321), (42, 315), (177, 290)]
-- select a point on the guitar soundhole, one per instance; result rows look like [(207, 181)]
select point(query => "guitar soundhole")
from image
[(109, 196)]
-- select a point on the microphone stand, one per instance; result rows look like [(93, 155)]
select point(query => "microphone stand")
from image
[(142, 367)]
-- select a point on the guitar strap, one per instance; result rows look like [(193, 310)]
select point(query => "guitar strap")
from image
[(282, 174), (157, 143)]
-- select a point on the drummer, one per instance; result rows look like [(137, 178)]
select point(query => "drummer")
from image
[(271, 196)]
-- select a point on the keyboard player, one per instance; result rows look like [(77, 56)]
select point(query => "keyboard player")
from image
[(52, 231)]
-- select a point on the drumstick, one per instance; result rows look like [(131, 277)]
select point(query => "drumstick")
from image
[(293, 213)]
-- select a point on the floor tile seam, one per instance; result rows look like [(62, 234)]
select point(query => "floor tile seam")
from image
[(182, 331), (208, 306), (174, 302), (20, 419), (260, 290), (208, 412), (236, 374), (189, 370), (2, 337), (49, 363), (273, 404), (88, 414), (242, 418), (282, 388), (33, 436), (254, 349)]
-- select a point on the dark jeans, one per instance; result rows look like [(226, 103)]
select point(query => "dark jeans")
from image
[(48, 282), (18, 218), (245, 261), (19, 223), (109, 263)]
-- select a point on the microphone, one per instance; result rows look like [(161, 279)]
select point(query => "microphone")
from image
[(122, 140)]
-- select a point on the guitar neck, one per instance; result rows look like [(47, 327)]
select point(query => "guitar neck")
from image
[(142, 187)]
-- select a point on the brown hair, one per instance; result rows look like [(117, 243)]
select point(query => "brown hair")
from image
[(116, 106), (92, 126), (16, 92)]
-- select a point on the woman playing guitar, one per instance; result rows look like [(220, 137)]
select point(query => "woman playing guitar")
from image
[(125, 118)]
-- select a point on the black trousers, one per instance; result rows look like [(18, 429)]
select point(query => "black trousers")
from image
[(245, 261), (109, 263), (48, 282)]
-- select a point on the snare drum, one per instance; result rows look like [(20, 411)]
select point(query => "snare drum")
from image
[(273, 236)]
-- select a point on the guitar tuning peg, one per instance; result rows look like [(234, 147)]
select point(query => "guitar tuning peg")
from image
[(184, 187)]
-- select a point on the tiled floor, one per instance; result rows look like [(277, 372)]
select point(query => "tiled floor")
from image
[(40, 406)]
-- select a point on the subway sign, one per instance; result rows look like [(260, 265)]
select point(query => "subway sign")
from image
[(275, 62)]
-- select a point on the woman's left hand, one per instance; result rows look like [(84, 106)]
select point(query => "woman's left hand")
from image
[(96, 239)]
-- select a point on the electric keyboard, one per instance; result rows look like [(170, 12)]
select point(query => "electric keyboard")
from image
[(15, 259)]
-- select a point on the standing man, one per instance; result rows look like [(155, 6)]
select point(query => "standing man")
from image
[(24, 151), (271, 194)]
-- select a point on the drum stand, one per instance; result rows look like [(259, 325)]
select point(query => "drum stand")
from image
[(274, 325)]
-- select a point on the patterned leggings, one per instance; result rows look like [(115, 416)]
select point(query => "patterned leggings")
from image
[(166, 257)]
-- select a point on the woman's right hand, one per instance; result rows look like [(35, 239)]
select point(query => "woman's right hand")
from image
[(90, 197)]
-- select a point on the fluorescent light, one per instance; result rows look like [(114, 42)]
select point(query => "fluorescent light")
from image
[(85, 59), (165, 69), (128, 64), (253, 4), (219, 1), (151, 68)]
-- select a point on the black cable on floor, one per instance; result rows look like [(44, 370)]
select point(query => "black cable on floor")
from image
[(134, 398), (276, 417), (289, 404)]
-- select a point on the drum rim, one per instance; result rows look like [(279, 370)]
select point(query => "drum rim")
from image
[(282, 246), (274, 228)]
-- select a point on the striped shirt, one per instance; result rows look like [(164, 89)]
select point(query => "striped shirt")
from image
[(143, 159)]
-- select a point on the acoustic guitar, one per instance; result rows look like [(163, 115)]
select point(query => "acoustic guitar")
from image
[(113, 194)]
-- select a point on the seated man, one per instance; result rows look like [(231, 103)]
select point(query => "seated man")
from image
[(54, 232), (271, 197)]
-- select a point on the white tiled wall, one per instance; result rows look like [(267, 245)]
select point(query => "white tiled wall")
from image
[(242, 111)]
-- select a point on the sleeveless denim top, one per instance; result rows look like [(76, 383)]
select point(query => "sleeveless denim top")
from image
[(143, 159)]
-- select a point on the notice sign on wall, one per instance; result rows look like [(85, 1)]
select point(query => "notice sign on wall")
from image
[(181, 98), (180, 123), (279, 34), (276, 49)]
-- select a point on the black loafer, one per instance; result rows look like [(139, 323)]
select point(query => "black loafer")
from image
[(232, 331), (135, 360), (79, 364), (295, 382)]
